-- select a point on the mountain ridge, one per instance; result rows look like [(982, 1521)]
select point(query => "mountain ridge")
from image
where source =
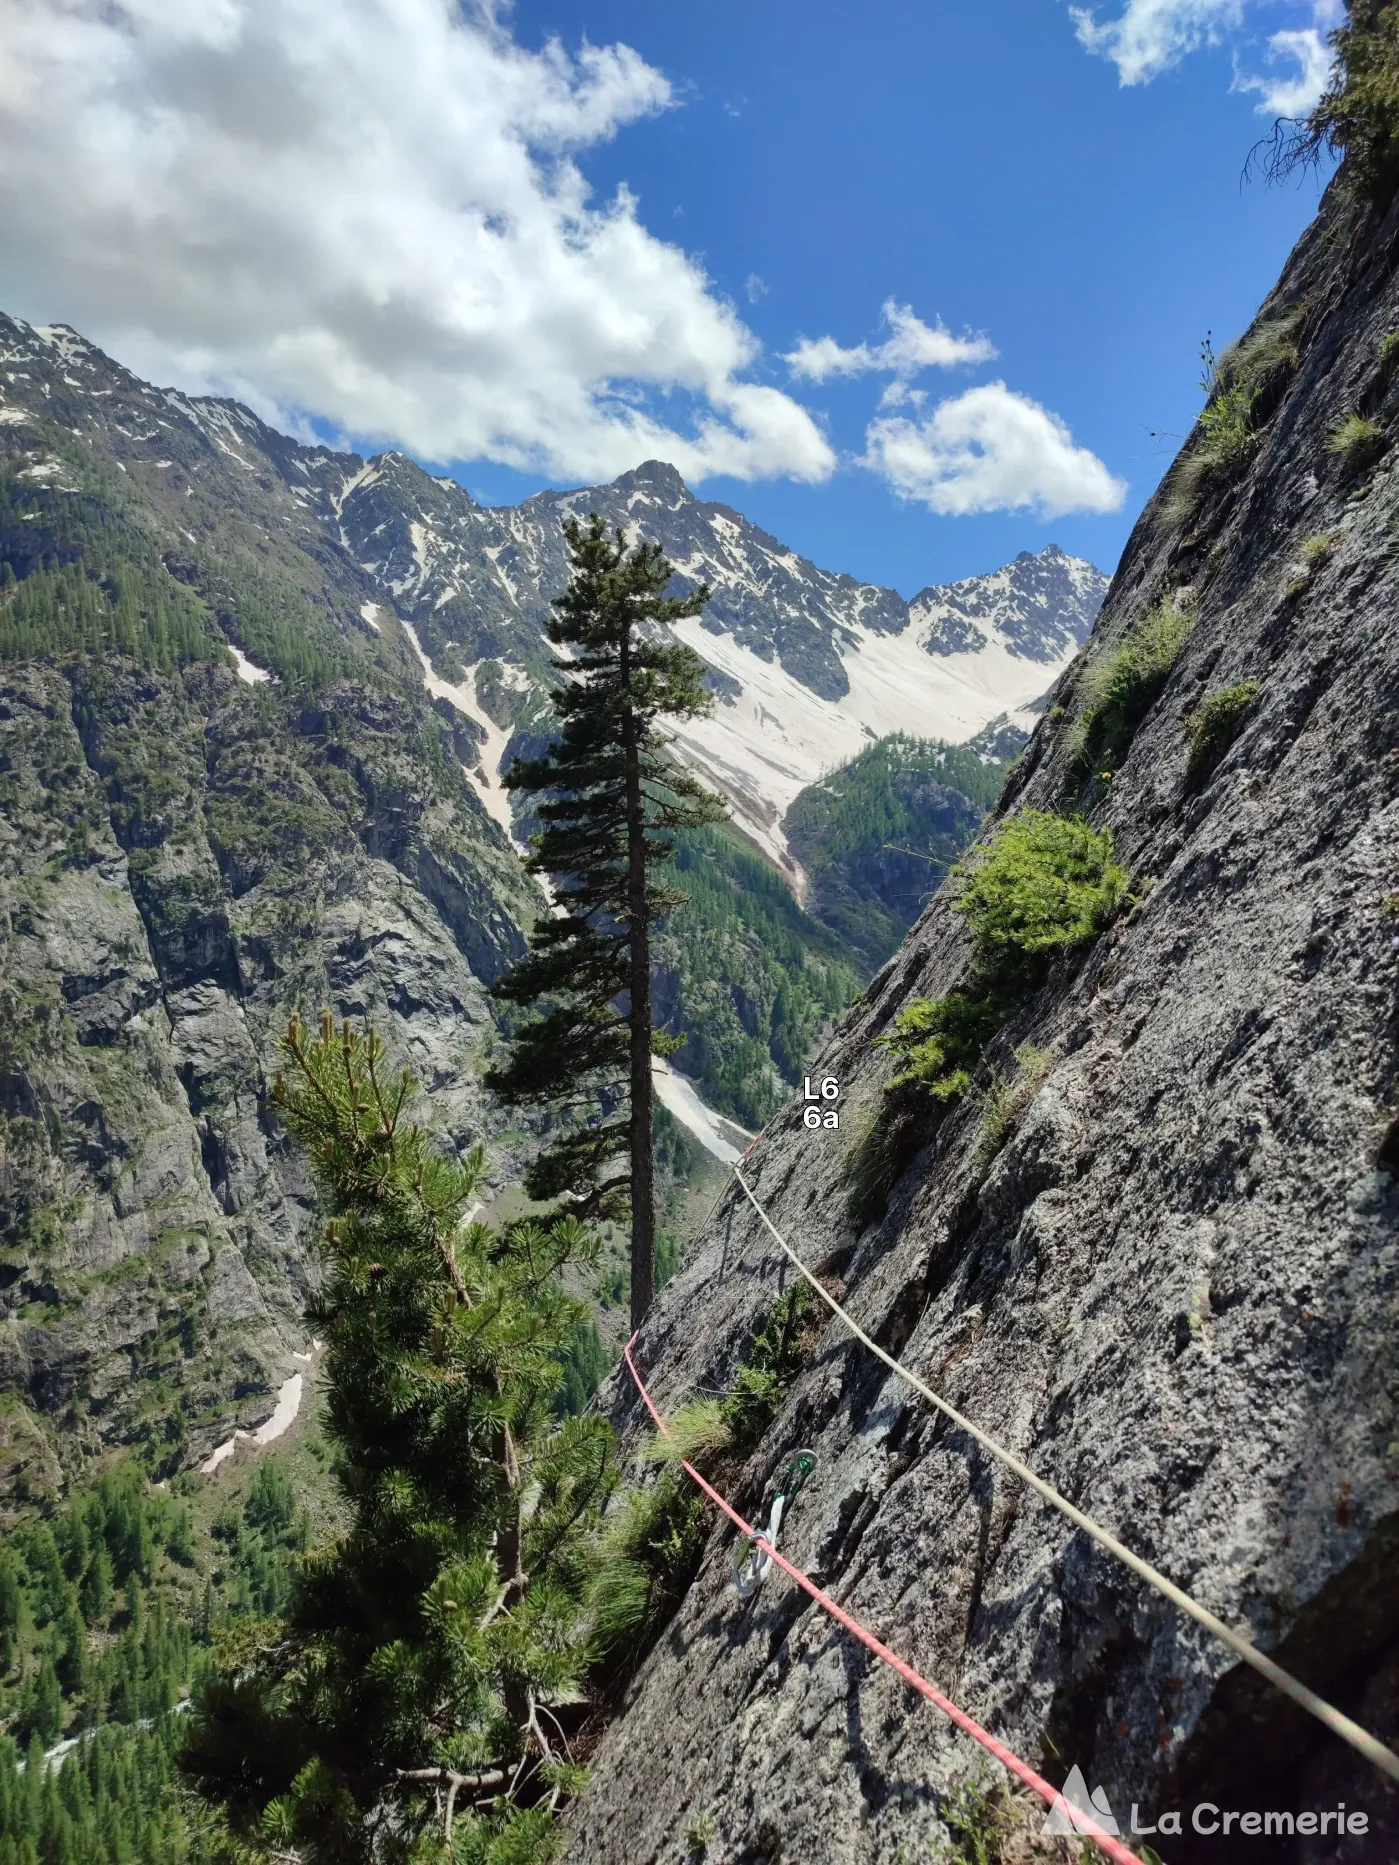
[(808, 665)]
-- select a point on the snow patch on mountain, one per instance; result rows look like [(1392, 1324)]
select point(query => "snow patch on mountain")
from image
[(462, 693), (764, 745), (248, 673), (715, 1132)]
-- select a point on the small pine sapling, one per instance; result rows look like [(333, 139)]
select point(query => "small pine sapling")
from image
[(420, 1676)]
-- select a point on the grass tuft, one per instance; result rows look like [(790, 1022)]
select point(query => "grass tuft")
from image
[(1223, 443), (1243, 389), (988, 1825), (644, 1566), (1005, 1101), (1266, 356), (883, 1141), (700, 1834), (1316, 554), (697, 1432), (1356, 441), (1215, 724), (656, 1535), (1123, 682)]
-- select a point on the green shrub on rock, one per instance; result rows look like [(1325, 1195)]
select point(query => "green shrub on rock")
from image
[(1044, 887), (1046, 884), (937, 1041), (1228, 438), (1357, 115)]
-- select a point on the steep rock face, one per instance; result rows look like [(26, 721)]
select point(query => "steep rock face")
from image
[(186, 857), (154, 1250), (1174, 1291)]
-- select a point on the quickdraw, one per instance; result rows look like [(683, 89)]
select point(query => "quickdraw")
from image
[(752, 1571)]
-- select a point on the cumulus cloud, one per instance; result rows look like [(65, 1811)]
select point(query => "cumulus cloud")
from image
[(990, 450), (1284, 93), (371, 213), (1150, 36), (911, 345)]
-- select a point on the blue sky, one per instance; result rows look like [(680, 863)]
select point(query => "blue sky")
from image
[(967, 157), (907, 283)]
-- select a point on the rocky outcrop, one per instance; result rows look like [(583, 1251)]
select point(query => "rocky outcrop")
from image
[(1175, 1289)]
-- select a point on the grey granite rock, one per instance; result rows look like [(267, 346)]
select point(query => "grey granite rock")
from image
[(1175, 1292)]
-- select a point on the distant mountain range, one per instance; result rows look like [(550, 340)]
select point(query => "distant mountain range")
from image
[(810, 666)]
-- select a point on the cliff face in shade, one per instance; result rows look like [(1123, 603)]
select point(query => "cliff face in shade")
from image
[(174, 882), (1175, 1289)]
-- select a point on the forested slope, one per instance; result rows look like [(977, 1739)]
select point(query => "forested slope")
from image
[(876, 837)]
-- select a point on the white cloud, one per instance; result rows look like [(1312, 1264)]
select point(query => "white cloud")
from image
[(1150, 36), (1291, 95), (990, 450), (911, 345), (370, 213)]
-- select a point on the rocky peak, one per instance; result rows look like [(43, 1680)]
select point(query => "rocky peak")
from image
[(1036, 608), (657, 477)]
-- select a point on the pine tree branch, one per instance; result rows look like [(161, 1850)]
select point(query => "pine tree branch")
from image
[(448, 1777), (454, 1784)]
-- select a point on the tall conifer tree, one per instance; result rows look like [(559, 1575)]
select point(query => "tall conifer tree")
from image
[(612, 798)]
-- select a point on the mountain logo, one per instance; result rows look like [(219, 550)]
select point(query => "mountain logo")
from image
[(1074, 1807)]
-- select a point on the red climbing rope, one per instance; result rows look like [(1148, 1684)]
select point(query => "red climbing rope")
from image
[(1084, 1824)]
